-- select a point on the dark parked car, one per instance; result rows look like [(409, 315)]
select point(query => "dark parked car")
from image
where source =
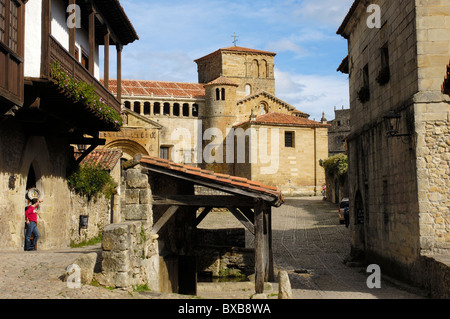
[(342, 205)]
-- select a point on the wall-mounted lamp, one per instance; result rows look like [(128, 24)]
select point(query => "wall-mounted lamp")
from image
[(392, 122)]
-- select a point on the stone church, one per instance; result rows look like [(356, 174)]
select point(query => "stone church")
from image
[(230, 122)]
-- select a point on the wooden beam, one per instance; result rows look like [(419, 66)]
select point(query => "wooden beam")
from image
[(45, 37), (106, 66), (218, 201), (241, 217), (72, 33), (164, 219), (92, 42), (119, 71), (259, 248), (202, 215)]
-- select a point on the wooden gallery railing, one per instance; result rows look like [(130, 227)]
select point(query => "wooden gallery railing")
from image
[(73, 68)]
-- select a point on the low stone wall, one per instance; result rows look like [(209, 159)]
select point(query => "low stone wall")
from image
[(130, 253), (129, 258)]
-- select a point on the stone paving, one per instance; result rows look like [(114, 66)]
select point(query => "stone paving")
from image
[(308, 241)]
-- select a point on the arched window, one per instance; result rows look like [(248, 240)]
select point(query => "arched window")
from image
[(195, 110), (223, 94), (264, 69), (157, 108), (185, 109), (217, 94), (166, 110), (147, 108), (176, 109), (255, 69), (248, 89), (137, 107), (127, 105)]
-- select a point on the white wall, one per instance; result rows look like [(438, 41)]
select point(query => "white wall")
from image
[(60, 31), (33, 17)]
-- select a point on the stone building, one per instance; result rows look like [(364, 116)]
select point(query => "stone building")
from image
[(338, 131), (41, 119), (197, 122), (399, 175)]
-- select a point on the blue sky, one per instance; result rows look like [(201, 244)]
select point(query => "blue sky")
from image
[(173, 33)]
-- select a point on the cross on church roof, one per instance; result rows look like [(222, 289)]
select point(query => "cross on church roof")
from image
[(235, 38)]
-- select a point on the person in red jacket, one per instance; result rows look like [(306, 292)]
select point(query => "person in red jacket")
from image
[(31, 220)]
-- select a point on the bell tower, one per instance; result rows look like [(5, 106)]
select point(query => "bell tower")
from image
[(252, 70)]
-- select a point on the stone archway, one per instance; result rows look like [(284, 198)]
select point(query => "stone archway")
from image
[(129, 148)]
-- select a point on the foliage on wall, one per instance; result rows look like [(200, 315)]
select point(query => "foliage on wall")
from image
[(84, 93), (92, 181), (336, 165)]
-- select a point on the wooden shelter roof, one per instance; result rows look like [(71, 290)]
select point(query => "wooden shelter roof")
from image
[(226, 183)]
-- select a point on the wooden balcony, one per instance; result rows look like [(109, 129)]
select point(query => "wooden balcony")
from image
[(57, 53)]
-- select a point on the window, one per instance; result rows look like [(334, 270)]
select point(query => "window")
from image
[(195, 110), (164, 152), (289, 139), (2, 20), (248, 89), (217, 94), (147, 107), (366, 75), (13, 26), (223, 94), (9, 24)]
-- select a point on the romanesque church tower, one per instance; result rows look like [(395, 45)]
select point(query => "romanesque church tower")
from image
[(229, 75)]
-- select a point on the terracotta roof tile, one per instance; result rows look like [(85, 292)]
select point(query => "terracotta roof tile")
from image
[(281, 119), (234, 181), (158, 88), (106, 158)]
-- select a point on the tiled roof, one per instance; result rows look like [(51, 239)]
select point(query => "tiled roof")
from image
[(222, 81), (446, 84), (106, 158), (281, 119), (236, 49), (215, 178), (158, 88), (270, 96)]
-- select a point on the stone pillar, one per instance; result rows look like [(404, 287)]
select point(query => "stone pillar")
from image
[(130, 252)]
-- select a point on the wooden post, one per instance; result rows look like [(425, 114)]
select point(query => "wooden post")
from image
[(259, 247), (270, 250), (92, 42), (46, 31), (106, 67), (72, 33), (119, 72)]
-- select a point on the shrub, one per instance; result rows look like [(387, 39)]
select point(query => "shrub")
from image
[(92, 181), (336, 165)]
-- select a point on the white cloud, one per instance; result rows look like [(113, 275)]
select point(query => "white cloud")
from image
[(313, 94), (325, 12)]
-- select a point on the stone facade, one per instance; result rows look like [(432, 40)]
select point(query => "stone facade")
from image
[(398, 190), (338, 131), (193, 122)]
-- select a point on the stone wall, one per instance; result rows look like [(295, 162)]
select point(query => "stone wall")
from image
[(293, 170), (130, 252), (434, 186)]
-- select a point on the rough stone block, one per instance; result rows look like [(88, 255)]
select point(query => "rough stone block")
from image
[(115, 237), (135, 179), (116, 261), (136, 212)]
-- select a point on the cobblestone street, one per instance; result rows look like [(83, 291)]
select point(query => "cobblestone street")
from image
[(308, 242), (311, 245)]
